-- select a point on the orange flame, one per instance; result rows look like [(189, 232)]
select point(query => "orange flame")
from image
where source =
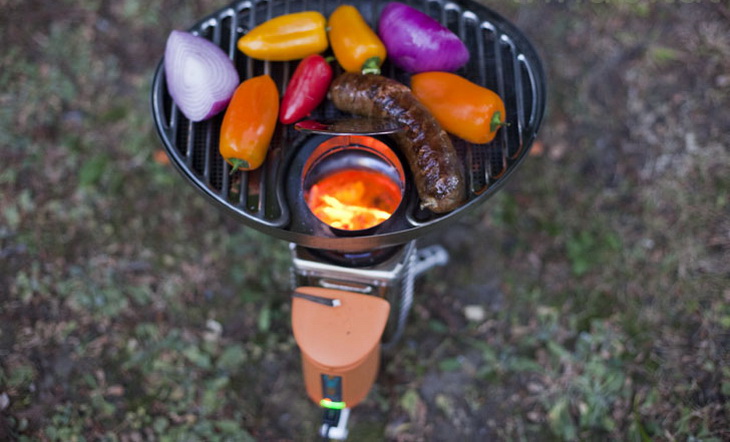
[(354, 199)]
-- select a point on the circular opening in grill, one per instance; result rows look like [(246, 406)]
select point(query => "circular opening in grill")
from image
[(353, 183)]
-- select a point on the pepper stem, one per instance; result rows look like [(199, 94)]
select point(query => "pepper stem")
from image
[(371, 66), (236, 163), (496, 122)]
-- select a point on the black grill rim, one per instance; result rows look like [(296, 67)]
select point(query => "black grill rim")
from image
[(271, 214)]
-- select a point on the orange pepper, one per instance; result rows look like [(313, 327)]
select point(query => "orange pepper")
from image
[(463, 108), (356, 46), (249, 123)]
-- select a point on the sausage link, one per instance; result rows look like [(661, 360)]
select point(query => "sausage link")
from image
[(432, 159)]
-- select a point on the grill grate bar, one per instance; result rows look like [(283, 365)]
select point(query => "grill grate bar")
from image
[(189, 141), (470, 30), (512, 142), (502, 92)]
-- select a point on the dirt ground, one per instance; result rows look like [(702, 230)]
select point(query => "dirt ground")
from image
[(588, 300)]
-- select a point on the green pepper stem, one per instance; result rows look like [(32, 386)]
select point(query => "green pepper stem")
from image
[(236, 163), (371, 66), (496, 122)]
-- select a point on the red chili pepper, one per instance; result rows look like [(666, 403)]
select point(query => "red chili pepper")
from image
[(307, 88)]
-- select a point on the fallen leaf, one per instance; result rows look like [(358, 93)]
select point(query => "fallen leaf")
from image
[(537, 148), (160, 157)]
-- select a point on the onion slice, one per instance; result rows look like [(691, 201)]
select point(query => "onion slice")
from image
[(200, 77), (416, 42)]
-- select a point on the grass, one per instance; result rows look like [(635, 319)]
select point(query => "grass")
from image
[(131, 309)]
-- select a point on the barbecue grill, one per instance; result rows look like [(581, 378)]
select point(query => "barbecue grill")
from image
[(382, 260), (270, 198)]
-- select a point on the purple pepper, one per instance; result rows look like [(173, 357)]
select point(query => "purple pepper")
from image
[(418, 43)]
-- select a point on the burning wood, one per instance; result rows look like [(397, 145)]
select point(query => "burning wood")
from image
[(354, 199)]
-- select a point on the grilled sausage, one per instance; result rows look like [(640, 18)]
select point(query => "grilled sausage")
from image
[(432, 159)]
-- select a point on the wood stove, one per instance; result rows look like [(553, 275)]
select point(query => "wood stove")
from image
[(345, 274)]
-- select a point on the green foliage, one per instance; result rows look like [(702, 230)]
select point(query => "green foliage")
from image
[(411, 401), (600, 383), (585, 373), (93, 170), (449, 364), (65, 424), (192, 376), (261, 266), (588, 250)]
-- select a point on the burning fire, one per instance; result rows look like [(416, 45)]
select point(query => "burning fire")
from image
[(354, 199)]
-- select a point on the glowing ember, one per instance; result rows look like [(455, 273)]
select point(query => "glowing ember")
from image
[(354, 199)]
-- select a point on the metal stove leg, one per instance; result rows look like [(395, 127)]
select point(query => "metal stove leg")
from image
[(420, 262), (430, 257)]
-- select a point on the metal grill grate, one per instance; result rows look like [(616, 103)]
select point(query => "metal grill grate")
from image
[(501, 59)]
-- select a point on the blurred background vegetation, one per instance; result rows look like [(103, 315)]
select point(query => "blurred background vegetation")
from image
[(589, 300)]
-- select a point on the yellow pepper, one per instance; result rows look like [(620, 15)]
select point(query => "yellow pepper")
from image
[(356, 46), (286, 37)]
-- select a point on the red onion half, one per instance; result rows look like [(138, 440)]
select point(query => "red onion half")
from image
[(200, 77), (418, 43)]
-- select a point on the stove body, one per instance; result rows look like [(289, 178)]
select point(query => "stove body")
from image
[(385, 276), (386, 273)]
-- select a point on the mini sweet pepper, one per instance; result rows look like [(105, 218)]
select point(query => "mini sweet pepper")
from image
[(307, 88), (286, 37), (463, 108), (249, 122), (356, 46)]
